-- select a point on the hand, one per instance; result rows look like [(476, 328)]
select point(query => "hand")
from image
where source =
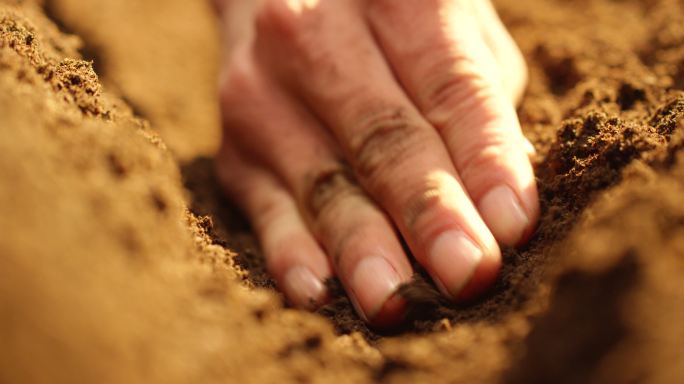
[(349, 124)]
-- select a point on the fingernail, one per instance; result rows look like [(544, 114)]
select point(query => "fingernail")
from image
[(454, 258), (303, 288), (501, 210), (374, 281)]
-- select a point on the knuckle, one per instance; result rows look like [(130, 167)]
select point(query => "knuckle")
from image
[(238, 84), (390, 7), (420, 203), (326, 189), (385, 139), (340, 254), (300, 41), (269, 209), (230, 89), (242, 102), (429, 208), (238, 94), (297, 40), (275, 16), (281, 21), (458, 92), (484, 157)]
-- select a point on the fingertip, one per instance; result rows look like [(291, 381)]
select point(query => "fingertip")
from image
[(483, 278), (373, 283), (391, 314), (300, 269), (504, 214), (531, 204), (461, 268), (453, 259), (293, 257), (303, 288)]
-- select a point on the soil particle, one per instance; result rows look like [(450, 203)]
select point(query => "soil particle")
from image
[(341, 311), (227, 226)]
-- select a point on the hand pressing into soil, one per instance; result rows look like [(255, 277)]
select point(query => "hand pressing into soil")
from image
[(351, 125)]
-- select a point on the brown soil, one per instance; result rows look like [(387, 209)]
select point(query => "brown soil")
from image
[(106, 276)]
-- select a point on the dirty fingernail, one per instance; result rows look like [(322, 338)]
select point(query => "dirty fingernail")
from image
[(453, 258), (374, 281), (501, 210), (303, 288)]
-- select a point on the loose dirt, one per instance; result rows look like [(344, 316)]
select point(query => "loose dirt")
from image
[(121, 262)]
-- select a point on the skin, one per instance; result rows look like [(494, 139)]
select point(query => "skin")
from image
[(351, 126)]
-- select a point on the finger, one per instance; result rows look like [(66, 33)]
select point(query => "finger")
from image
[(510, 61), (399, 159), (451, 75), (358, 237), (236, 24), (293, 257)]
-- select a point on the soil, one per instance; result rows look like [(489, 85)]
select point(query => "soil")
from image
[(121, 262)]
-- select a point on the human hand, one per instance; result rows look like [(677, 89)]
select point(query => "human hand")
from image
[(351, 124)]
